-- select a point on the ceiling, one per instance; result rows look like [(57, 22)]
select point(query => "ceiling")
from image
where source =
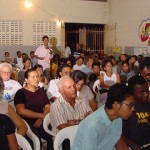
[(97, 0)]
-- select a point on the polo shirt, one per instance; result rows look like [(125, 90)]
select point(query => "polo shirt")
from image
[(97, 132)]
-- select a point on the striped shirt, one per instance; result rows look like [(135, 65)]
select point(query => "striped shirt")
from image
[(61, 112)]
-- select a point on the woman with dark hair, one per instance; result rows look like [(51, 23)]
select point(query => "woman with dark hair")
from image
[(43, 82), (83, 91), (107, 79), (53, 91), (32, 105)]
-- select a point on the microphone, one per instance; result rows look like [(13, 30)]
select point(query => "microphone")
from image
[(50, 50)]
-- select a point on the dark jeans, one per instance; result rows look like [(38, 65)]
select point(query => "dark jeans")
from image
[(40, 133)]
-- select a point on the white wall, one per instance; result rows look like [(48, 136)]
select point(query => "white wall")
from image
[(128, 15), (78, 11)]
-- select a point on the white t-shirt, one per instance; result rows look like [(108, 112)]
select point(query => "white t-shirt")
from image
[(53, 90), (76, 67), (19, 63), (67, 52), (85, 94), (43, 52), (11, 87)]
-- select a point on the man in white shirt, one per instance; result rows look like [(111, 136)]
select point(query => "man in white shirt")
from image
[(10, 86), (67, 51), (44, 54)]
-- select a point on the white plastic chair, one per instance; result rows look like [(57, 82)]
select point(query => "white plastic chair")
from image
[(66, 133), (22, 142), (46, 123), (96, 86), (33, 137)]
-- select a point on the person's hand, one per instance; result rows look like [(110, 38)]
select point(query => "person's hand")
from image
[(136, 147), (72, 122), (41, 58), (38, 123)]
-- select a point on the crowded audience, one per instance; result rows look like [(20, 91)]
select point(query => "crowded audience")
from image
[(63, 87)]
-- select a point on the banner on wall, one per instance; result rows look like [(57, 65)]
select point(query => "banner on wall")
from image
[(116, 49), (141, 51), (144, 31)]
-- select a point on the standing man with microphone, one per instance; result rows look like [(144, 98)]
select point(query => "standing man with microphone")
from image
[(44, 54)]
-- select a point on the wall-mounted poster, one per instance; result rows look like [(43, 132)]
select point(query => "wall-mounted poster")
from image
[(144, 31)]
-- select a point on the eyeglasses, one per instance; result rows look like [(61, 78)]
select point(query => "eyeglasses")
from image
[(6, 73), (130, 104)]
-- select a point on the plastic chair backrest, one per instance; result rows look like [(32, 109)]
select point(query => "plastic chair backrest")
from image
[(46, 123), (22, 142), (96, 85), (66, 133), (33, 137)]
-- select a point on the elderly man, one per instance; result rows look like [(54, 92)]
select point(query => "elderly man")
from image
[(10, 86), (67, 110)]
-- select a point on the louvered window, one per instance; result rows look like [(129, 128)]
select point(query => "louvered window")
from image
[(11, 32), (41, 28)]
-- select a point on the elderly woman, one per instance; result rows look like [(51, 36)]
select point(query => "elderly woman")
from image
[(83, 91), (32, 105)]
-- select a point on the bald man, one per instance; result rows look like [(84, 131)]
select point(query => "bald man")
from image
[(68, 109)]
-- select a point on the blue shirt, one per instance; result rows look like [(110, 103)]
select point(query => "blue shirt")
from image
[(97, 132), (87, 70)]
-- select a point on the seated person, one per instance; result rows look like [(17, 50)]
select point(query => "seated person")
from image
[(136, 129), (34, 60), (8, 139), (27, 65), (67, 110), (43, 82), (7, 59), (107, 79), (126, 73), (102, 129), (79, 64), (83, 91), (18, 122), (92, 79), (10, 86), (88, 69), (96, 69), (132, 62), (145, 69), (32, 105), (53, 90)]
